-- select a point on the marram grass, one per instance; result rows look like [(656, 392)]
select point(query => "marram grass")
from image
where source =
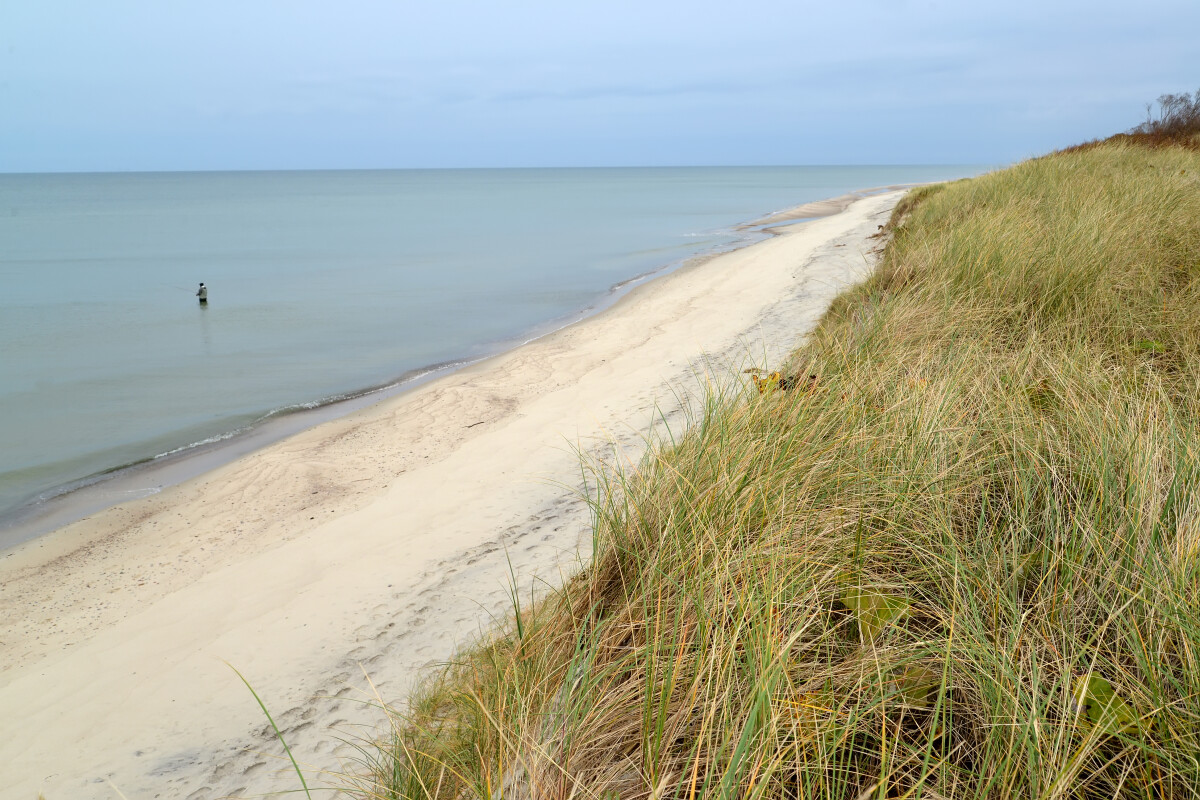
[(962, 563)]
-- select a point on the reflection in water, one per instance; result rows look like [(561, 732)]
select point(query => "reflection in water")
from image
[(205, 329)]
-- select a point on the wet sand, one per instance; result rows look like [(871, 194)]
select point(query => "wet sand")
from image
[(370, 545)]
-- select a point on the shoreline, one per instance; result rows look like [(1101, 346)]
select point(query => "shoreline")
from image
[(62, 505), (372, 543)]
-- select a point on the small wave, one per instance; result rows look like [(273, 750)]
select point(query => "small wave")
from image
[(221, 437), (636, 279), (87, 482)]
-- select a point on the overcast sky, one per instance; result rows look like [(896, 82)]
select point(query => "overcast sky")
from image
[(214, 84)]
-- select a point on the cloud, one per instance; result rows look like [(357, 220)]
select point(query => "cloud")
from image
[(375, 79)]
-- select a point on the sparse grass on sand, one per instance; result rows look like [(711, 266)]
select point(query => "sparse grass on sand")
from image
[(965, 562)]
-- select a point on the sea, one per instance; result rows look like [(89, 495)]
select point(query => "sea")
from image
[(326, 291)]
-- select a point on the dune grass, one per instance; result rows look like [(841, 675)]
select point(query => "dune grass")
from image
[(963, 562)]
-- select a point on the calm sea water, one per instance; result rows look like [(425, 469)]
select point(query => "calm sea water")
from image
[(322, 284)]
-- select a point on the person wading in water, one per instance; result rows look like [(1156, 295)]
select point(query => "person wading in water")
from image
[(202, 293)]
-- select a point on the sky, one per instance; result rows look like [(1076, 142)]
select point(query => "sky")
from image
[(292, 84)]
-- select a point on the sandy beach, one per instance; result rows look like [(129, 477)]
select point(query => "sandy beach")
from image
[(339, 562)]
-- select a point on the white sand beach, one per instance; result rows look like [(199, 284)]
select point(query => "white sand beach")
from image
[(371, 545)]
